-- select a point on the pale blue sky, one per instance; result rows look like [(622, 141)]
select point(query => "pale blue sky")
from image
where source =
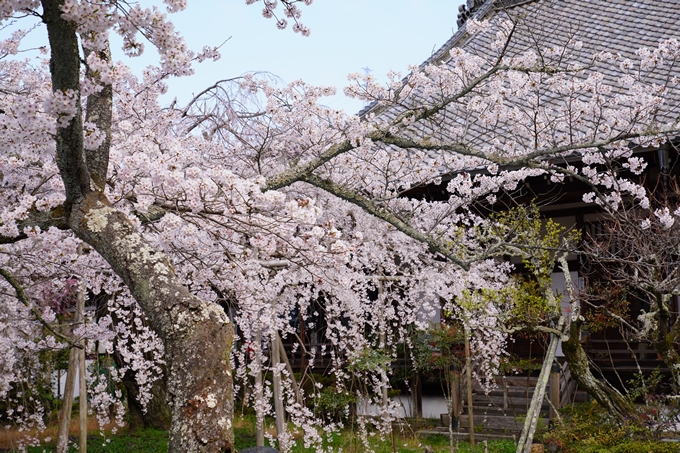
[(346, 36)]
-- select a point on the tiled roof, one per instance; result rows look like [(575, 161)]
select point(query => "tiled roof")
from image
[(617, 26)]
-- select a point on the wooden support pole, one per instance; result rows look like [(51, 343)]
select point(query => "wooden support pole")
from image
[(82, 411), (417, 396), (468, 366), (82, 415), (284, 358), (453, 402), (259, 391), (278, 393), (533, 414), (506, 402), (67, 402), (554, 390), (69, 390)]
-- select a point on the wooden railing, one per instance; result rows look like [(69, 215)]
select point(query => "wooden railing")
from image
[(562, 388), (568, 386)]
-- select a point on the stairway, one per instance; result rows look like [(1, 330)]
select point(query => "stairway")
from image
[(500, 413)]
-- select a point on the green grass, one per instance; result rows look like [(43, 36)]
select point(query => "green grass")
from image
[(350, 442), (154, 441), (142, 441)]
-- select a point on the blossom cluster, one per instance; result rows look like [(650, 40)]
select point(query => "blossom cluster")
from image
[(347, 247)]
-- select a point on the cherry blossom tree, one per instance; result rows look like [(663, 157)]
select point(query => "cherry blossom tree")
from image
[(256, 192), (637, 251)]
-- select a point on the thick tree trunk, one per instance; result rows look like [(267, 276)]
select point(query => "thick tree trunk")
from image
[(197, 335), (606, 395), (665, 338), (157, 414)]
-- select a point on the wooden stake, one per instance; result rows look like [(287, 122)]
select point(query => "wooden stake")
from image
[(83, 376), (468, 366), (67, 402), (259, 395), (83, 400), (278, 393)]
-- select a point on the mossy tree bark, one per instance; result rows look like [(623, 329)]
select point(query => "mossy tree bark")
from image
[(197, 335), (606, 395), (666, 336), (157, 412)]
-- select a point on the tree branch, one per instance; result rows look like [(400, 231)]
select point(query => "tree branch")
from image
[(368, 206), (43, 220), (21, 295), (65, 72), (100, 112)]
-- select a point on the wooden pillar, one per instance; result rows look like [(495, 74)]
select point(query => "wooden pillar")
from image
[(456, 405)]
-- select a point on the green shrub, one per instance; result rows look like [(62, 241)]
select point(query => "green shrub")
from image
[(634, 446), (332, 403), (587, 428)]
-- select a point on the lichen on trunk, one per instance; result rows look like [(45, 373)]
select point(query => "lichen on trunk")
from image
[(667, 335), (606, 395), (197, 335)]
